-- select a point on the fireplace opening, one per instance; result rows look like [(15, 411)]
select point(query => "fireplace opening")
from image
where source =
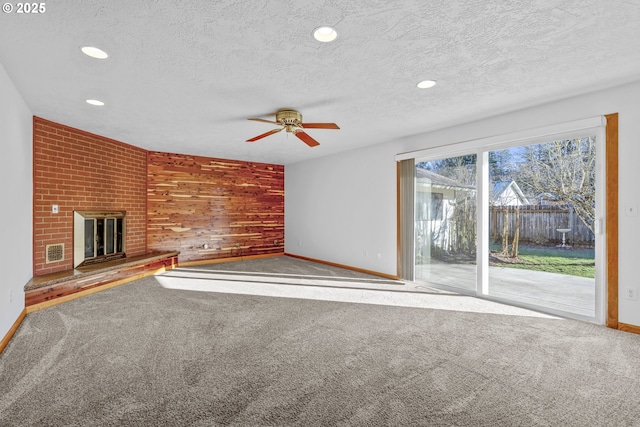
[(98, 236)]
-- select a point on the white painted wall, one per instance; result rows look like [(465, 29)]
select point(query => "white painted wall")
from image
[(342, 208), (16, 129)]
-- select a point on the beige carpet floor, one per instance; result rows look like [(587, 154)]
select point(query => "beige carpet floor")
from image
[(142, 354)]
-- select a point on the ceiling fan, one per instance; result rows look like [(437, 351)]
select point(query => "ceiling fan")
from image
[(291, 121)]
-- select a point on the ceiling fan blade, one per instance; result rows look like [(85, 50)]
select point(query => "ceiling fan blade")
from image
[(306, 139), (319, 125), (271, 132), (264, 121)]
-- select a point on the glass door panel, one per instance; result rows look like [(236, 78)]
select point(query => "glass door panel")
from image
[(89, 238), (445, 222), (119, 235), (99, 236), (541, 218), (109, 236)]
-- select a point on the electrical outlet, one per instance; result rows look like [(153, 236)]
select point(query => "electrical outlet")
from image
[(631, 293)]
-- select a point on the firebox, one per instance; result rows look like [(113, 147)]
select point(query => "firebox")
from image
[(98, 236)]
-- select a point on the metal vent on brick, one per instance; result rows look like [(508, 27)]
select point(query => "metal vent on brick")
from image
[(55, 252)]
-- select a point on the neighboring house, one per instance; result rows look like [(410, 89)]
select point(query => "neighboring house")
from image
[(436, 199), (441, 209), (508, 193), (548, 199), (435, 195)]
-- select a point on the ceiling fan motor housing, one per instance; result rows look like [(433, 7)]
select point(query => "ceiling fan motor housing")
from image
[(289, 117)]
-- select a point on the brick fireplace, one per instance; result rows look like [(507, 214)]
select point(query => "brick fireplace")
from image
[(88, 187), (77, 173)]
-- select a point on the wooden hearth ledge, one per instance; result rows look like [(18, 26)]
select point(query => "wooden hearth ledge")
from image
[(51, 289)]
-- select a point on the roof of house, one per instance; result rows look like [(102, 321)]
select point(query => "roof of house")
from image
[(500, 187), (440, 181)]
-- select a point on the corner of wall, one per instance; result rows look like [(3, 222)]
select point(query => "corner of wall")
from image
[(15, 259)]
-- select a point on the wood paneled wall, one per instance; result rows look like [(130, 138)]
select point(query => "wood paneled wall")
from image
[(209, 208), (77, 170)]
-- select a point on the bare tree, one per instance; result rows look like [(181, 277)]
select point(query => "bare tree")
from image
[(564, 169), (503, 203), (503, 169), (505, 230), (516, 235)]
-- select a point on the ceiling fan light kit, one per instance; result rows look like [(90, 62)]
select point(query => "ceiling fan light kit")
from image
[(291, 121)]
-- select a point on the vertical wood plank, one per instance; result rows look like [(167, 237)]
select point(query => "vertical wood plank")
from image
[(209, 208)]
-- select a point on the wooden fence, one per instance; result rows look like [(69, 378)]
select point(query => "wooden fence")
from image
[(539, 225)]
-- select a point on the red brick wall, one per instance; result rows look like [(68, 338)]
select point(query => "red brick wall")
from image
[(236, 208), (78, 170)]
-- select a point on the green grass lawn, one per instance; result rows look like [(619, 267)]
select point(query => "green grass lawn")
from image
[(573, 262)]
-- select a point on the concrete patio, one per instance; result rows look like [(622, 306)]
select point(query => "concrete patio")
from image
[(566, 293)]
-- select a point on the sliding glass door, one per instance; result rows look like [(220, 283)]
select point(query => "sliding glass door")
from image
[(520, 222), (445, 222), (542, 212)]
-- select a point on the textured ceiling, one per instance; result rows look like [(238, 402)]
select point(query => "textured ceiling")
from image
[(183, 76)]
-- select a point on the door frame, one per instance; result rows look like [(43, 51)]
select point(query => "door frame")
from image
[(610, 124)]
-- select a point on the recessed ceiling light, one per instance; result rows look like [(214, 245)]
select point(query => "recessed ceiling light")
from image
[(325, 34), (426, 84), (94, 52), (94, 102)]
